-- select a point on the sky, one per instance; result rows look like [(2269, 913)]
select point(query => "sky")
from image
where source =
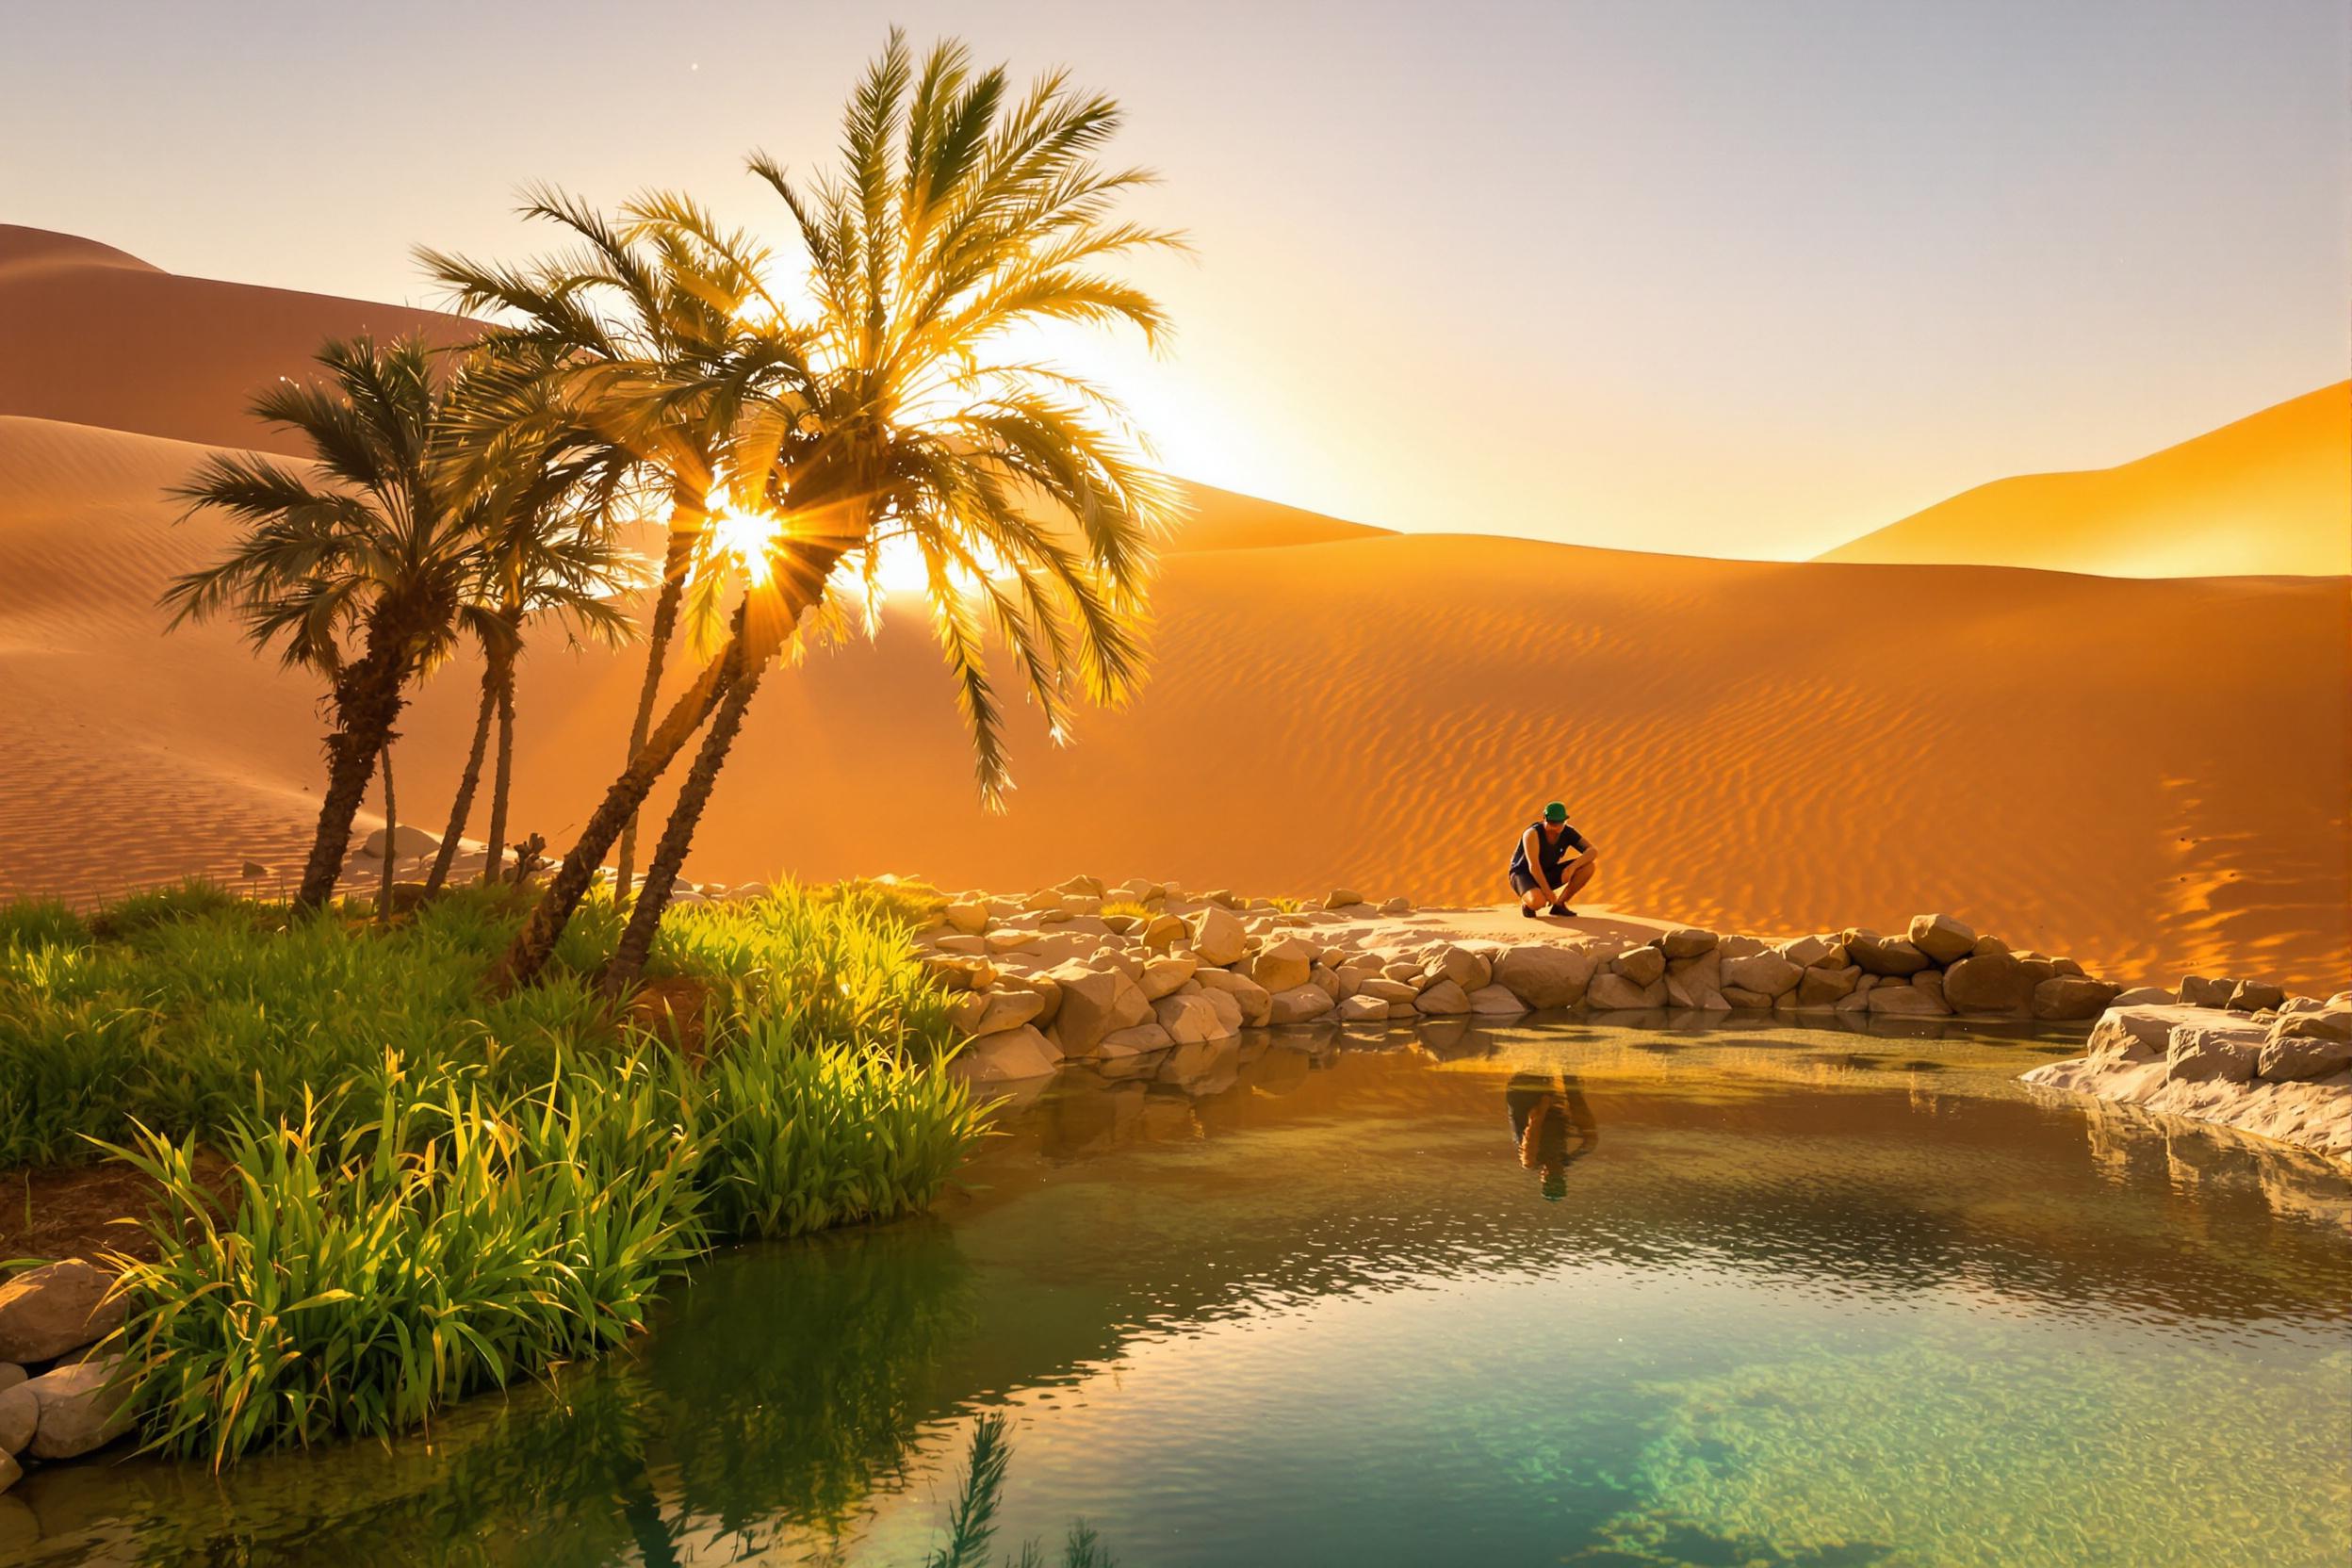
[(1730, 277)]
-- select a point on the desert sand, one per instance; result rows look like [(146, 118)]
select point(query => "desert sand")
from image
[(2268, 493), (2149, 775)]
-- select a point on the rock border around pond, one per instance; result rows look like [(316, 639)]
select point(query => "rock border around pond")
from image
[(2282, 1072), (1050, 976)]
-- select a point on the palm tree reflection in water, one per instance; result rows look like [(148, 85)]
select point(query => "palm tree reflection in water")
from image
[(1552, 1126)]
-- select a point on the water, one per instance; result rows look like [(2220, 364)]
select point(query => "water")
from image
[(1806, 1298)]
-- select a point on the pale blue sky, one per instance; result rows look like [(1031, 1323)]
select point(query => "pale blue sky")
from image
[(1739, 278)]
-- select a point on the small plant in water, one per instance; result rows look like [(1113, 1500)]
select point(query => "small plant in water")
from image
[(971, 1524)]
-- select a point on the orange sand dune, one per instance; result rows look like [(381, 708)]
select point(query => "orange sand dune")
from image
[(97, 337), (2152, 774), (2269, 492)]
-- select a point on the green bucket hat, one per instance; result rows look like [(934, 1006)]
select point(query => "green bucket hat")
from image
[(1556, 812)]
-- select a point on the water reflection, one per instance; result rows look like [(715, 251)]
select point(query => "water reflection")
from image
[(1551, 1126)]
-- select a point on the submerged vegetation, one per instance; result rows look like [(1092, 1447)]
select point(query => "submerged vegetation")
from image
[(428, 1192)]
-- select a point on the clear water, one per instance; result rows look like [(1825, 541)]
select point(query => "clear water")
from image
[(1806, 1299)]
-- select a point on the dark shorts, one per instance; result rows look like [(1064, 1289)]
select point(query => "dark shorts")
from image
[(1523, 884)]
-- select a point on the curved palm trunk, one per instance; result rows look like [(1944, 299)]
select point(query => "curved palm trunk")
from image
[(463, 807), (636, 943), (535, 942), (366, 701), (391, 839), (501, 674), (665, 607)]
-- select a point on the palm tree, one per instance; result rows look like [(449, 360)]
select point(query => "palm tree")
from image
[(904, 413), (628, 335), (547, 552), (356, 568)]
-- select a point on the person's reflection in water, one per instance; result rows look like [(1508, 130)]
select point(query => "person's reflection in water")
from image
[(1551, 1124)]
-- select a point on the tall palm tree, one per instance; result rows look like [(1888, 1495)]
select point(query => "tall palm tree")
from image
[(907, 409), (356, 568), (628, 334)]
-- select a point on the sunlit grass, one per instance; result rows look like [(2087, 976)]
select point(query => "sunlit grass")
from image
[(429, 1189)]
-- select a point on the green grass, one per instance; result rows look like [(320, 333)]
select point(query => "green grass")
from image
[(430, 1190)]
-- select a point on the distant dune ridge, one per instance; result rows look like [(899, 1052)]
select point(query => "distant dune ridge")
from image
[(2150, 774), (2270, 493)]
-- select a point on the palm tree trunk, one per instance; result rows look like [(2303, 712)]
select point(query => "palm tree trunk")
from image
[(391, 838), (463, 807), (501, 674), (535, 942), (674, 560), (366, 701), (636, 943)]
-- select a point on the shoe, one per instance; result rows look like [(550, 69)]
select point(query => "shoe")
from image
[(1526, 913), (1564, 912)]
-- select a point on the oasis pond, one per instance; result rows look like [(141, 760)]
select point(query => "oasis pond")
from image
[(1551, 1292)]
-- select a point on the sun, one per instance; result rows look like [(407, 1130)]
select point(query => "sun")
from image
[(747, 537)]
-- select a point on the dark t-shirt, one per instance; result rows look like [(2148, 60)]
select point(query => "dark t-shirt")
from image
[(1553, 851)]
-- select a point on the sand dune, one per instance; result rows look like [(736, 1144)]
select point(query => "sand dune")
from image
[(2270, 493), (2048, 755), (90, 335), (2150, 774)]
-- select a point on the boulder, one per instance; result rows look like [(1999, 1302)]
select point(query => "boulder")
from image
[(1890, 958), (2255, 996), (1190, 1020), (1326, 979), (79, 1411), (20, 1413), (1342, 898), (1043, 899), (1687, 942), (407, 842), (1001, 942), (1011, 1056), (1082, 886), (2307, 1019), (1766, 974), (1253, 998), (1544, 975), (2200, 990), (1396, 907), (58, 1307), (2139, 996), (1741, 999), (1163, 932), (1742, 947), (974, 946), (1691, 987), (1905, 1002), (1613, 992), (1363, 1008), (1283, 964), (1163, 974), (2063, 997), (970, 919), (1217, 936), (1090, 1006), (1465, 967), (1988, 983), (1134, 1041), (1806, 951), (1942, 938), (2199, 1052), (2288, 1059), (1381, 988), (1445, 998), (1644, 966), (982, 1013), (1298, 1004), (1826, 987), (1227, 1009), (1496, 1001)]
